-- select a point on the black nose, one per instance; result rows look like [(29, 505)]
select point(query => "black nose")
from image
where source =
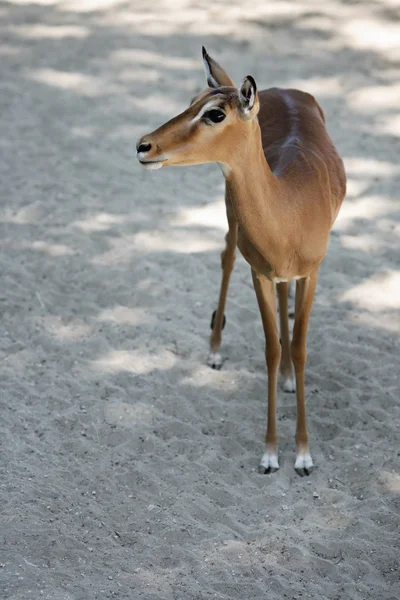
[(144, 147)]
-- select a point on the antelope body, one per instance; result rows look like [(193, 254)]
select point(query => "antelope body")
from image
[(285, 183)]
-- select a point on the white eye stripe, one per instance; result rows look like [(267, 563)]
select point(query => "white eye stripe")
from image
[(204, 109)]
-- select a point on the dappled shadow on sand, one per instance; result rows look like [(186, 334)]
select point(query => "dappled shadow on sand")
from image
[(129, 466)]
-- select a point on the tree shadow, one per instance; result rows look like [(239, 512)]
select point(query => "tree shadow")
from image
[(127, 463)]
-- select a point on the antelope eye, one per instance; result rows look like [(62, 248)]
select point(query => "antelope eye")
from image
[(214, 115)]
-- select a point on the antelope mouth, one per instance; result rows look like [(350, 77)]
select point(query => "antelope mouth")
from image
[(151, 165)]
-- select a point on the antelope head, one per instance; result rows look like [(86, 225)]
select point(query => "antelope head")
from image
[(216, 122)]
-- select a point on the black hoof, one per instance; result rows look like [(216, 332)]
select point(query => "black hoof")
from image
[(216, 366), (213, 320), (266, 470), (304, 472)]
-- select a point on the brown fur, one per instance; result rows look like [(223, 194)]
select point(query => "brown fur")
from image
[(285, 184)]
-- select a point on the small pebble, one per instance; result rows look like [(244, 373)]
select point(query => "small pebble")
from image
[(315, 495)]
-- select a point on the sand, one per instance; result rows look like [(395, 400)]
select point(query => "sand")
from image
[(128, 467)]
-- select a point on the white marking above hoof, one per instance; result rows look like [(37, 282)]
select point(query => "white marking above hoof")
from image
[(304, 464), (269, 463), (214, 360), (289, 385)]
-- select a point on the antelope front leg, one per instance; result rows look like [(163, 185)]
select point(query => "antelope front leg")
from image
[(266, 297), (286, 366), (218, 318), (305, 289)]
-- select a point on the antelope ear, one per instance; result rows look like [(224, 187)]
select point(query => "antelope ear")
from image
[(216, 76), (248, 98)]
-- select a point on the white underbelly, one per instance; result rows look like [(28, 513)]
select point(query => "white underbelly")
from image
[(281, 279)]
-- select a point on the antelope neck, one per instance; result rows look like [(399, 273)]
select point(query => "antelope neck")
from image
[(253, 189)]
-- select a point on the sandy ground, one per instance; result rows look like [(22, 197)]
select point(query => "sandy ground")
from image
[(128, 467)]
